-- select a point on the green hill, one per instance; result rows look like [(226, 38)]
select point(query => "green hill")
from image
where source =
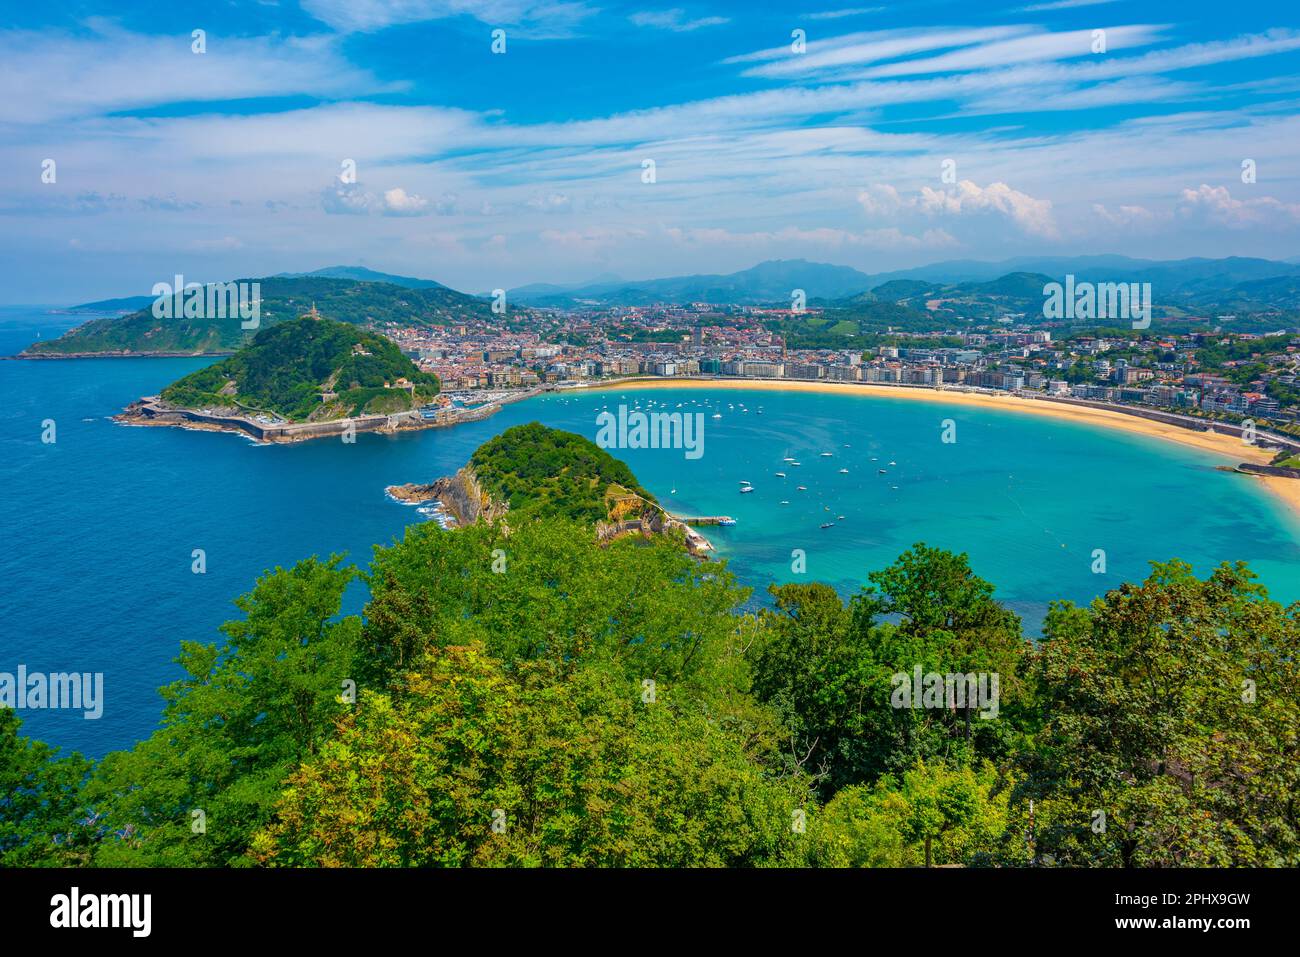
[(309, 369), (543, 473), (282, 298)]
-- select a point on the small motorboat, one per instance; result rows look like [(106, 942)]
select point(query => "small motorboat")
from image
[(827, 524)]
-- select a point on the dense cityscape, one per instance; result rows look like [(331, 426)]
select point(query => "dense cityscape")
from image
[(1217, 374)]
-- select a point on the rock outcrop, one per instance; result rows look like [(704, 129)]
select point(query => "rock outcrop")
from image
[(461, 495)]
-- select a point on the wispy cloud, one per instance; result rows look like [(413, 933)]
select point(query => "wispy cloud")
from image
[(539, 17), (56, 76), (1061, 5), (675, 20), (846, 12)]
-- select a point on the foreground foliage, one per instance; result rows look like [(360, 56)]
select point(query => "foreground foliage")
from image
[(525, 696)]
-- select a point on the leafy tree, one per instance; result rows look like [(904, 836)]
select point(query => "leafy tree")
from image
[(932, 814), (829, 670), (547, 591), (1172, 733), (468, 763), (42, 814), (244, 716)]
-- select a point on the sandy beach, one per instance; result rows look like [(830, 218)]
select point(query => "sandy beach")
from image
[(1231, 450)]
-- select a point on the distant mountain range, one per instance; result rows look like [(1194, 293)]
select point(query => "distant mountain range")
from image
[(769, 282), (774, 281), (1177, 277), (362, 274), (1199, 287)]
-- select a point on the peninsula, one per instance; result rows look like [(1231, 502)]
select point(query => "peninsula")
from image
[(306, 378)]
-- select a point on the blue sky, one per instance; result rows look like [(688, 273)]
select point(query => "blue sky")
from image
[(901, 134)]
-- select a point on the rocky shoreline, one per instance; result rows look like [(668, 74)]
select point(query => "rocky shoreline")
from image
[(461, 496)]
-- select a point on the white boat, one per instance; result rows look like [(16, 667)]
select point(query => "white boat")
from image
[(893, 463), (827, 455), (746, 482), (784, 502), (717, 415), (882, 471), (747, 488), (779, 474), (844, 471), (801, 488), (795, 463)]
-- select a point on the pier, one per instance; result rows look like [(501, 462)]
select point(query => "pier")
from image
[(705, 519)]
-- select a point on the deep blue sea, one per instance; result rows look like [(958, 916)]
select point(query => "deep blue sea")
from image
[(96, 568)]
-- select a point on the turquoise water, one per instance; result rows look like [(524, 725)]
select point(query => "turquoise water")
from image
[(101, 524)]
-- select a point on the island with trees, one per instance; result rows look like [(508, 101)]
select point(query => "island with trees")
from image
[(299, 379)]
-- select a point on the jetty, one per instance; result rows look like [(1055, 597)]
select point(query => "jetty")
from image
[(704, 519)]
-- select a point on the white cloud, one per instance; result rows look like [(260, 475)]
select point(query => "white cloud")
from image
[(675, 20), (1033, 216), (861, 48), (1036, 47), (1062, 5), (53, 76), (397, 202), (540, 17), (846, 12), (1216, 205), (1124, 216)]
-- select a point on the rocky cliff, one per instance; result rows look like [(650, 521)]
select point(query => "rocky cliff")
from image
[(461, 496)]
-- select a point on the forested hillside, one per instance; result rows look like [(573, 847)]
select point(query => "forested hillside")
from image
[(288, 368), (282, 298), (544, 471)]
